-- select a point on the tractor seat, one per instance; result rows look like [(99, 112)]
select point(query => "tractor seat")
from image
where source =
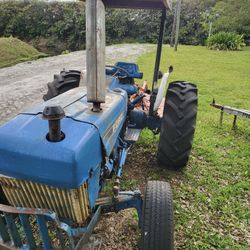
[(131, 68)]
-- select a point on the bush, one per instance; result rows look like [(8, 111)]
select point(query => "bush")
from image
[(53, 27), (225, 41)]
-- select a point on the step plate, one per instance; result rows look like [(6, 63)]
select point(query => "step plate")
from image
[(132, 134)]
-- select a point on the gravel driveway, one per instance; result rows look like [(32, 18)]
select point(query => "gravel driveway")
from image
[(24, 84)]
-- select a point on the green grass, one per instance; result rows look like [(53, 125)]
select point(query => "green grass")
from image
[(13, 51), (212, 194)]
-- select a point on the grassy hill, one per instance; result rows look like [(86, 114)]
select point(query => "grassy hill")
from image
[(13, 51)]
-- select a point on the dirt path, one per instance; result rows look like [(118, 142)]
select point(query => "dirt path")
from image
[(24, 84)]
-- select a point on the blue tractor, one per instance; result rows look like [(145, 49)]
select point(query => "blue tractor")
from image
[(56, 157)]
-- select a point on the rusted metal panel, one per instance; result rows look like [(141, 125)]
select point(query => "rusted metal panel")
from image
[(139, 4)]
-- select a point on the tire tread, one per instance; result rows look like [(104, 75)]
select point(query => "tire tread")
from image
[(178, 124), (63, 82), (157, 222)]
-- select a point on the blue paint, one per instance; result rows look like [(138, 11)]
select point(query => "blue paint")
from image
[(26, 154), (77, 108), (129, 88), (125, 200), (13, 229), (93, 185), (3, 231), (90, 138), (126, 84), (24, 219), (123, 156), (131, 68), (108, 122), (137, 119), (44, 233)]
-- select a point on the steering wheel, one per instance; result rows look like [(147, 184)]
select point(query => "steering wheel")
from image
[(118, 71)]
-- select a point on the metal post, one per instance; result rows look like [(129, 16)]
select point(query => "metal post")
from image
[(173, 28), (95, 53), (221, 117), (210, 28), (177, 24), (157, 61), (234, 123)]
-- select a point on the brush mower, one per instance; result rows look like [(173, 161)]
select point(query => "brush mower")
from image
[(55, 158)]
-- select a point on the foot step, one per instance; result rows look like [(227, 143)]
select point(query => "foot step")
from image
[(132, 134)]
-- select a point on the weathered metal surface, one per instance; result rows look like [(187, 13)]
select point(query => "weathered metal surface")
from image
[(54, 114), (9, 234), (3, 231), (44, 233), (139, 4), (239, 112), (12, 228), (95, 51), (24, 219), (28, 225), (132, 134), (84, 239), (233, 111), (106, 121), (29, 155), (67, 203)]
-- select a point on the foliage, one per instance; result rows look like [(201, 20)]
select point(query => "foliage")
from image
[(58, 26), (225, 41), (192, 30), (52, 27), (211, 194), (13, 51), (133, 25), (233, 16)]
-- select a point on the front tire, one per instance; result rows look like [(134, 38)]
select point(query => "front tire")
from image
[(157, 232), (178, 125)]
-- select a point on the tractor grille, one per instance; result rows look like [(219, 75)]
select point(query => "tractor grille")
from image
[(67, 203)]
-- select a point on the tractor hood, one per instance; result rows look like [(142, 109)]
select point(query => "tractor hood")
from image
[(25, 153)]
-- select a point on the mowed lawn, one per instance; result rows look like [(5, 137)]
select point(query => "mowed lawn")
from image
[(212, 194)]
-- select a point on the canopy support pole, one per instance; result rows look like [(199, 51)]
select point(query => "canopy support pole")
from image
[(157, 61), (95, 53)]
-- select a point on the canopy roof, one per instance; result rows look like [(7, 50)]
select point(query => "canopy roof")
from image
[(139, 4)]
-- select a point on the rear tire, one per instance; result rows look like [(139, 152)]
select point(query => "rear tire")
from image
[(178, 125), (157, 232), (63, 82)]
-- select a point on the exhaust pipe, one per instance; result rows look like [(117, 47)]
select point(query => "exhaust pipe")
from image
[(54, 114)]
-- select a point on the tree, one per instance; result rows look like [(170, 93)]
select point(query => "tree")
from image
[(233, 16)]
